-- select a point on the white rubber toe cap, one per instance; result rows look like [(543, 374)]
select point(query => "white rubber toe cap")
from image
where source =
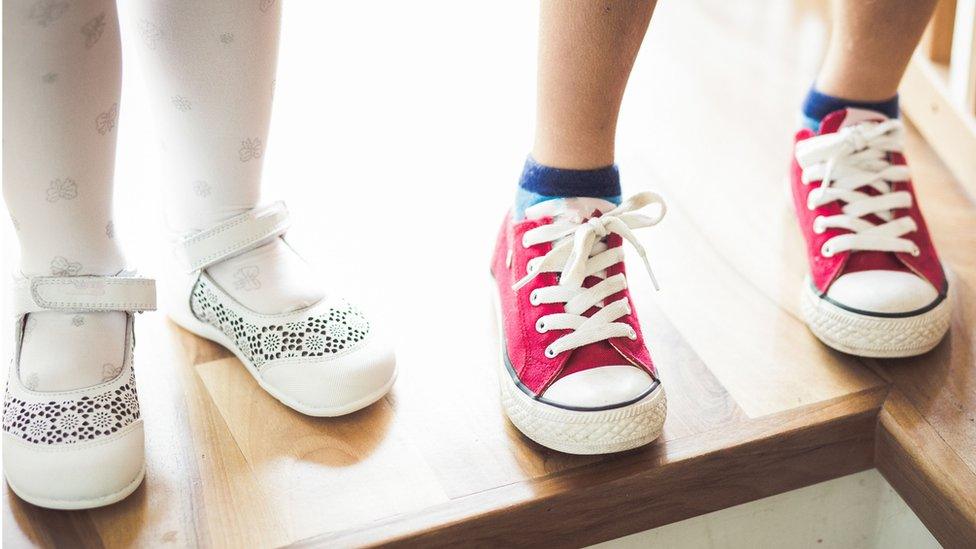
[(76, 476), (880, 291), (335, 386), (600, 387)]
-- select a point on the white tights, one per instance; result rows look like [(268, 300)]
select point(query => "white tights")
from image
[(210, 69)]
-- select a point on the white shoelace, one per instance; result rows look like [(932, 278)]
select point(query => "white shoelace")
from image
[(845, 161), (580, 251)]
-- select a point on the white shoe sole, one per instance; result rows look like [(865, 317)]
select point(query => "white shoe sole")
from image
[(211, 333), (874, 336), (76, 504), (581, 432)]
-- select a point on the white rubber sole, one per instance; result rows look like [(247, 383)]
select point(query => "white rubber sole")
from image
[(76, 504), (207, 331), (872, 336), (578, 431), (583, 432)]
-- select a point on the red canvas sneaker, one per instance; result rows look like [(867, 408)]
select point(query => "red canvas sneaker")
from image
[(575, 373), (876, 287)]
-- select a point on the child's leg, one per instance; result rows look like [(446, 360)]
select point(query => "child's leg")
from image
[(870, 46), (62, 75), (586, 52), (210, 73), (567, 368), (210, 67), (876, 286)]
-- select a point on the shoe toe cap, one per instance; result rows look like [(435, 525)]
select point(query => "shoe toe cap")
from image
[(76, 476), (879, 291), (333, 386), (600, 387)]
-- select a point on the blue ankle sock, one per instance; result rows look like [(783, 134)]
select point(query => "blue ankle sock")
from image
[(540, 183), (818, 105)]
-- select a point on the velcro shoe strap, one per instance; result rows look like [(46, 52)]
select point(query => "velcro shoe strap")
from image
[(84, 294), (230, 238)]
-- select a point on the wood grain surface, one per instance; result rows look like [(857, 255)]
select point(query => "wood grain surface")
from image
[(404, 172)]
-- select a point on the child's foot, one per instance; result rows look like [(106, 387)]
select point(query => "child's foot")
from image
[(876, 286), (269, 279), (72, 433), (247, 290), (575, 373), (63, 351)]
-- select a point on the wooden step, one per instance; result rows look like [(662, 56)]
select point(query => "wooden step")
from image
[(757, 405)]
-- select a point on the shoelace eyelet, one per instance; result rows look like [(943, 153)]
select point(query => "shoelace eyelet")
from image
[(540, 326), (632, 335), (855, 157), (818, 227), (810, 205), (534, 298), (916, 252), (550, 353)]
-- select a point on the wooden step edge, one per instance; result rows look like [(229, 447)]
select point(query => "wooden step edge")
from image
[(663, 484), (928, 474)]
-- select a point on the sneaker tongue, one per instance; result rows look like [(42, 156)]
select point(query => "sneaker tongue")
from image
[(600, 353), (580, 207), (861, 261), (848, 117)]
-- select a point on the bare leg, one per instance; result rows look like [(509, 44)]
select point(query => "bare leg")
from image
[(586, 52), (870, 46)]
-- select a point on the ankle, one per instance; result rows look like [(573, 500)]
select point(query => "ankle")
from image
[(540, 182), (576, 154), (67, 264), (270, 279), (818, 104), (184, 218)]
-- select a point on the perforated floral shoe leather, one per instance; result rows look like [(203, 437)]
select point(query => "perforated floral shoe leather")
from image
[(81, 448), (876, 287), (327, 359), (575, 374)]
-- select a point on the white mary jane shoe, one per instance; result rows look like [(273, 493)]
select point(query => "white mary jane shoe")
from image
[(82, 448), (324, 360)]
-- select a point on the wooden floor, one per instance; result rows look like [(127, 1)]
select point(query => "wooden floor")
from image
[(422, 134)]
